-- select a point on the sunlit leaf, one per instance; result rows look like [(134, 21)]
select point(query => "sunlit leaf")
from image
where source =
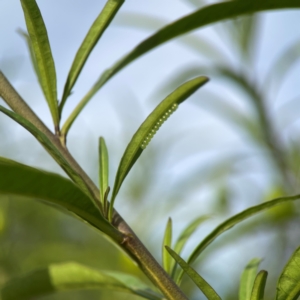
[(229, 223), (103, 171), (94, 34), (247, 279), (288, 287), (206, 289), (21, 180), (149, 127), (42, 52), (259, 286), (72, 276), (167, 241)]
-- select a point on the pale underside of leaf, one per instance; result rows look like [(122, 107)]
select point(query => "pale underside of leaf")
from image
[(167, 241), (73, 276)]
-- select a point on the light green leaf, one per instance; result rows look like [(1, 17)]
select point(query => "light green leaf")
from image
[(21, 180), (149, 127), (94, 34), (103, 172), (202, 17), (72, 276), (248, 278), (42, 52), (167, 241), (206, 289), (229, 223), (184, 236), (259, 286), (288, 287)]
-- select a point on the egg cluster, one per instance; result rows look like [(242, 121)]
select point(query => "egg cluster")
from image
[(161, 120)]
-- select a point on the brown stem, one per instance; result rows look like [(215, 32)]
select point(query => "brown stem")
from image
[(129, 242)]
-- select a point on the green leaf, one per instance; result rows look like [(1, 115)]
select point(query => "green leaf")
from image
[(259, 286), (167, 241), (207, 290), (103, 171), (42, 52), (94, 34), (202, 17), (247, 279), (21, 180), (72, 276), (288, 287), (149, 127), (184, 236), (229, 223)]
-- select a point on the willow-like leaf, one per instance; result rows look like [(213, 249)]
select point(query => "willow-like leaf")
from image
[(103, 170), (49, 146), (94, 34), (184, 237), (202, 17), (259, 286), (21, 180), (167, 241), (229, 223), (248, 278), (43, 55), (206, 289), (72, 276), (149, 127), (288, 287)]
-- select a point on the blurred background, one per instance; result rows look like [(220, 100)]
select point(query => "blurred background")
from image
[(233, 144)]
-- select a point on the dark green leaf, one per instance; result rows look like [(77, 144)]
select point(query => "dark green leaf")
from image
[(229, 223), (207, 290), (94, 34), (167, 241), (43, 56), (288, 287), (149, 127), (72, 276), (259, 286), (247, 279), (21, 180)]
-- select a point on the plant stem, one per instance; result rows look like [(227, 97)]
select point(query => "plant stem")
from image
[(124, 235)]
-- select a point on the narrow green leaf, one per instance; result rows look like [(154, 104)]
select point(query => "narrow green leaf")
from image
[(259, 286), (42, 52), (31, 52), (229, 223), (149, 127), (248, 278), (202, 17), (94, 34), (103, 170), (206, 289), (46, 143), (167, 241), (72, 276), (288, 287), (184, 236), (21, 180)]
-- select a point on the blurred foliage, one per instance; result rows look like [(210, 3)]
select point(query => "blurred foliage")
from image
[(227, 180)]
